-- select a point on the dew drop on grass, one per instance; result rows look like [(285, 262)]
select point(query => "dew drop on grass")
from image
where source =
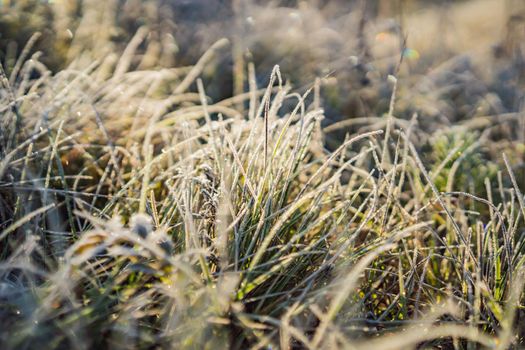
[(392, 79)]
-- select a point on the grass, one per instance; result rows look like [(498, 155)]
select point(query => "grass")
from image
[(137, 212)]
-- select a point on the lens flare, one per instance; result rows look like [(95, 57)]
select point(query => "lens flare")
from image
[(411, 54)]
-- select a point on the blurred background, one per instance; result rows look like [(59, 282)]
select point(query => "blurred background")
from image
[(455, 60)]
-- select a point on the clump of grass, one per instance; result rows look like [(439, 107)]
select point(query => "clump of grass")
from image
[(135, 210)]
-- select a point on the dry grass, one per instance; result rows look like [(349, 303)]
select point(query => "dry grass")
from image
[(138, 212)]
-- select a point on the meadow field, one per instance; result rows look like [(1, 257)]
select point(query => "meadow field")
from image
[(250, 174)]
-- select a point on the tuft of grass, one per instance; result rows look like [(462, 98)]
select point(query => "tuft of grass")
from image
[(136, 211)]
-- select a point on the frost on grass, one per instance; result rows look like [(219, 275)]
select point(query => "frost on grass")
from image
[(135, 209)]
